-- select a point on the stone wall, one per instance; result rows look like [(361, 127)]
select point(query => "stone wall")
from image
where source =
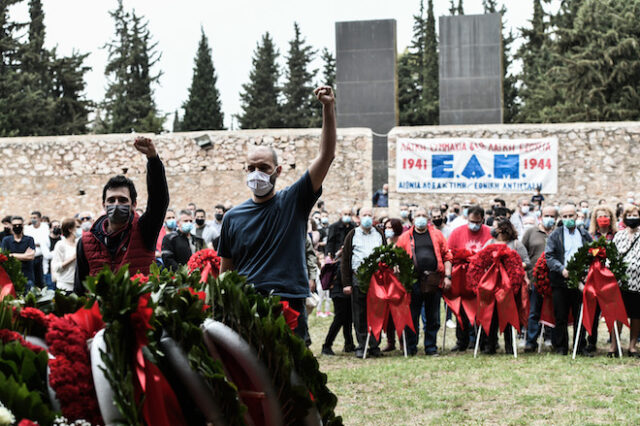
[(63, 175), (596, 160)]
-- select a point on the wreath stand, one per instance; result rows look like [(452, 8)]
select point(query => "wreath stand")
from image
[(366, 343)]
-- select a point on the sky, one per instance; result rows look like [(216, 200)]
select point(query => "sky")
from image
[(233, 28)]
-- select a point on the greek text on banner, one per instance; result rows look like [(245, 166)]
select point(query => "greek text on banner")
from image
[(466, 165)]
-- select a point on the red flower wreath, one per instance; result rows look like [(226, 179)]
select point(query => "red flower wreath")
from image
[(142, 278), (70, 371), (462, 257), (3, 258), (483, 260), (207, 261), (541, 276), (7, 336)]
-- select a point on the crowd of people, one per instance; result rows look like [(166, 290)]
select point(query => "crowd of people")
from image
[(287, 244), (532, 229)]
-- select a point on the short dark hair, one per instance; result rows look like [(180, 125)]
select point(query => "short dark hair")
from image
[(504, 226), (200, 211), (501, 211), (6, 219), (219, 206), (191, 204), (500, 201), (475, 210), (396, 225), (67, 226), (17, 218), (37, 213), (120, 181)]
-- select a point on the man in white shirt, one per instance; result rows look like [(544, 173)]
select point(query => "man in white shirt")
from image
[(519, 217), (39, 231)]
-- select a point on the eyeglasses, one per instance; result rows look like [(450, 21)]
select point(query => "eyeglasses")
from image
[(85, 219)]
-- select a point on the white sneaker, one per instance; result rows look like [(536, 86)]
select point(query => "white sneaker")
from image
[(321, 314), (450, 324), (547, 343), (521, 343)]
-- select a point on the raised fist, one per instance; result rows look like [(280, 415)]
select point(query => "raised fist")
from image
[(145, 146), (324, 95)]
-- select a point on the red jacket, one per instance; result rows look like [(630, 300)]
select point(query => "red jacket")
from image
[(131, 251), (443, 254)]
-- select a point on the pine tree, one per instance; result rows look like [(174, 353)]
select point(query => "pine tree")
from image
[(329, 68), (299, 103), (408, 91), (509, 80), (71, 109), (599, 74), (129, 103), (177, 125), (259, 97), (12, 99), (203, 109)]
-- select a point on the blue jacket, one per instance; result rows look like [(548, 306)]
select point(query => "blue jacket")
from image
[(554, 253)]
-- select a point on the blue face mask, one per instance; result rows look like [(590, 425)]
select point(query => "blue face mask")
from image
[(465, 212), (548, 222), (389, 233), (404, 214), (186, 227), (170, 224), (474, 227), (420, 222), (366, 221), (346, 219), (569, 223)]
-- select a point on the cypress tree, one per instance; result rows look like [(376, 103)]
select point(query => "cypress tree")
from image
[(129, 103), (431, 72), (71, 109), (203, 109), (328, 68), (177, 126), (12, 98), (408, 91), (259, 97), (456, 9), (299, 105)]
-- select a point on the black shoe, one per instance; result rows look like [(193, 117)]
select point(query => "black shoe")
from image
[(590, 348), (528, 348), (349, 348), (458, 348), (586, 353), (389, 348), (359, 353), (612, 354), (375, 353), (634, 354), (432, 354), (327, 351), (490, 350), (561, 351)]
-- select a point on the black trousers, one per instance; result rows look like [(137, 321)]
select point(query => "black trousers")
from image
[(38, 273), (492, 340), (564, 301), (463, 335), (359, 311), (341, 319)]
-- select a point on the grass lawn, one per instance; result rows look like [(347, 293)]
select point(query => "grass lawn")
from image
[(498, 389)]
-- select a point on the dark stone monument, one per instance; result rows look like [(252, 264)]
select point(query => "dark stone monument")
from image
[(367, 84), (471, 69)]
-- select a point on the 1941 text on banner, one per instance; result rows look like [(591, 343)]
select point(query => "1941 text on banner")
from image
[(466, 165)]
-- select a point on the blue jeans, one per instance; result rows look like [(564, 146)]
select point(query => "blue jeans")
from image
[(49, 282), (431, 303), (533, 324)]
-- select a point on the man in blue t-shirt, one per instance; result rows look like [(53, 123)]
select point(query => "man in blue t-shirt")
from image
[(22, 247), (263, 238)]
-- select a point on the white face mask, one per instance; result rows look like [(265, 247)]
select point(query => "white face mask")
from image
[(86, 226), (524, 209), (260, 183)]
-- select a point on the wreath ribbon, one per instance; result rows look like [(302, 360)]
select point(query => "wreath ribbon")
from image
[(459, 296), (601, 287), (547, 317), (6, 285), (387, 295), (495, 289)]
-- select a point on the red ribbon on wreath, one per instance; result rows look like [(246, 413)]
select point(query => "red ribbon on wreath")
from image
[(461, 294), (290, 315), (208, 261), (496, 288), (161, 406), (601, 288), (6, 285), (543, 287), (387, 294)]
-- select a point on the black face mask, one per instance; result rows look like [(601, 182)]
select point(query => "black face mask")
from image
[(199, 222), (456, 211), (494, 233), (437, 222), (57, 231), (17, 229), (118, 213), (632, 222), (219, 216)]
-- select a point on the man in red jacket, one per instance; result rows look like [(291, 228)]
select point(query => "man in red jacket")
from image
[(428, 249), (121, 236), (472, 237)]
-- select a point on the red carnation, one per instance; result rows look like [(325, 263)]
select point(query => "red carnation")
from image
[(207, 261), (483, 260), (35, 315), (7, 336), (541, 276), (3, 258), (142, 278)]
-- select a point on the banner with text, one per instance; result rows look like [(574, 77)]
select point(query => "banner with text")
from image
[(477, 165)]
